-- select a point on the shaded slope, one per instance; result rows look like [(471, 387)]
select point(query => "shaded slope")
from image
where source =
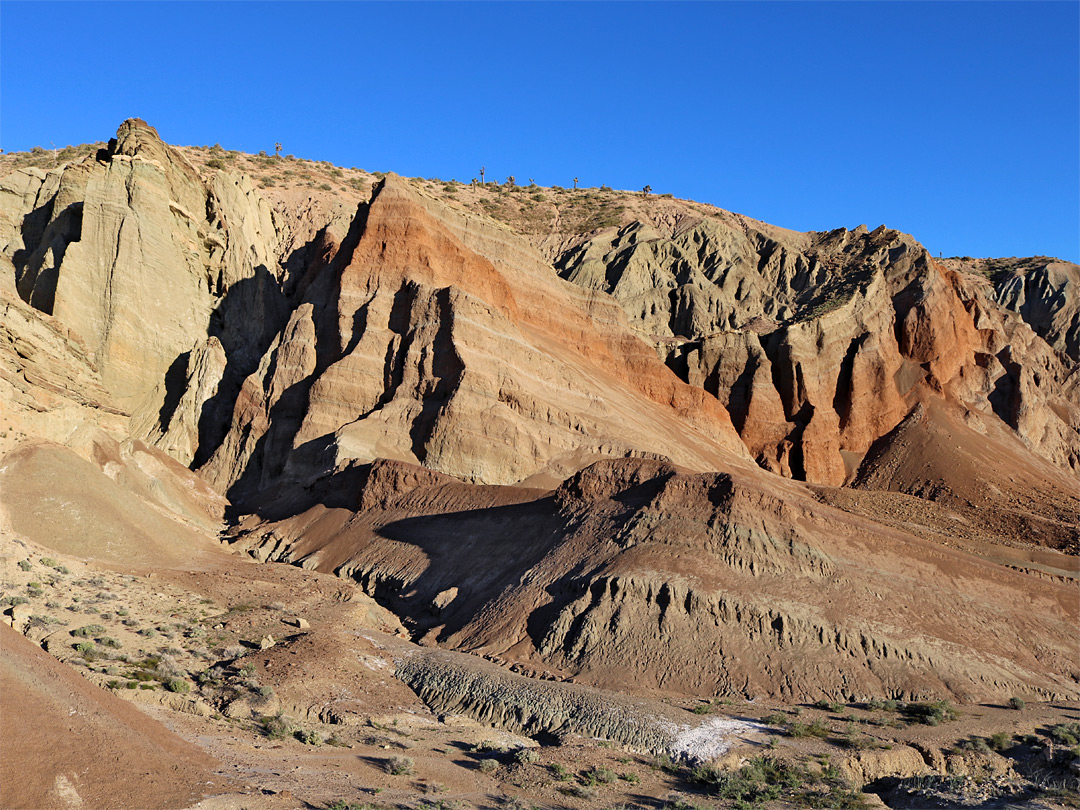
[(637, 575)]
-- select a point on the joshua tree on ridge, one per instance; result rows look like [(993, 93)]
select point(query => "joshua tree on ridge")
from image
[(645, 192), (482, 170), (510, 181), (575, 184), (277, 150)]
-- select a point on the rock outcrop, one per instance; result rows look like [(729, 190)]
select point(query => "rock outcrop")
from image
[(435, 338), (144, 260), (820, 344), (1047, 297)]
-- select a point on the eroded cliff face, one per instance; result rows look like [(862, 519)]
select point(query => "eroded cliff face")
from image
[(433, 337), (148, 264), (638, 575), (820, 344)]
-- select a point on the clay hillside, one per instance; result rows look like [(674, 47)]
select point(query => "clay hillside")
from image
[(340, 489)]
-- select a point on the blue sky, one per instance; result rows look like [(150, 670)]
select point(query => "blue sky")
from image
[(958, 122)]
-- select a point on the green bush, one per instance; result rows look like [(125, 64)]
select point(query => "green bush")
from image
[(814, 729), (978, 745), (277, 727), (402, 766), (1016, 703), (526, 756), (178, 685), (559, 772), (597, 775), (1066, 733), (931, 714), (308, 737), (25, 565)]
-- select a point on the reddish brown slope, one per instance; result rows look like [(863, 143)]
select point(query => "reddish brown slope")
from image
[(68, 743), (638, 575), (442, 339)]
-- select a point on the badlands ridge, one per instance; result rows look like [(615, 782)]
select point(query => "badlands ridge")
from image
[(602, 440)]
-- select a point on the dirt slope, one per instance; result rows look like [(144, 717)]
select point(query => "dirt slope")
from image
[(69, 744)]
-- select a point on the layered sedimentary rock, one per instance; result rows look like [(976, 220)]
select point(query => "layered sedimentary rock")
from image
[(144, 260), (436, 338), (559, 472), (636, 574), (820, 344)]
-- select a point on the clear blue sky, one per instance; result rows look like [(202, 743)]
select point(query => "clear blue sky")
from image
[(957, 122)]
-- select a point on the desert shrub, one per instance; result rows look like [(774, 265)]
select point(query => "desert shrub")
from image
[(707, 773), (400, 766), (25, 565), (1001, 741), (14, 600), (1066, 733), (526, 756), (977, 745), (277, 727), (586, 792), (178, 685), (308, 737), (933, 713), (85, 648), (597, 775), (760, 780), (775, 719), (1016, 703), (559, 772), (488, 765), (815, 729), (631, 778)]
